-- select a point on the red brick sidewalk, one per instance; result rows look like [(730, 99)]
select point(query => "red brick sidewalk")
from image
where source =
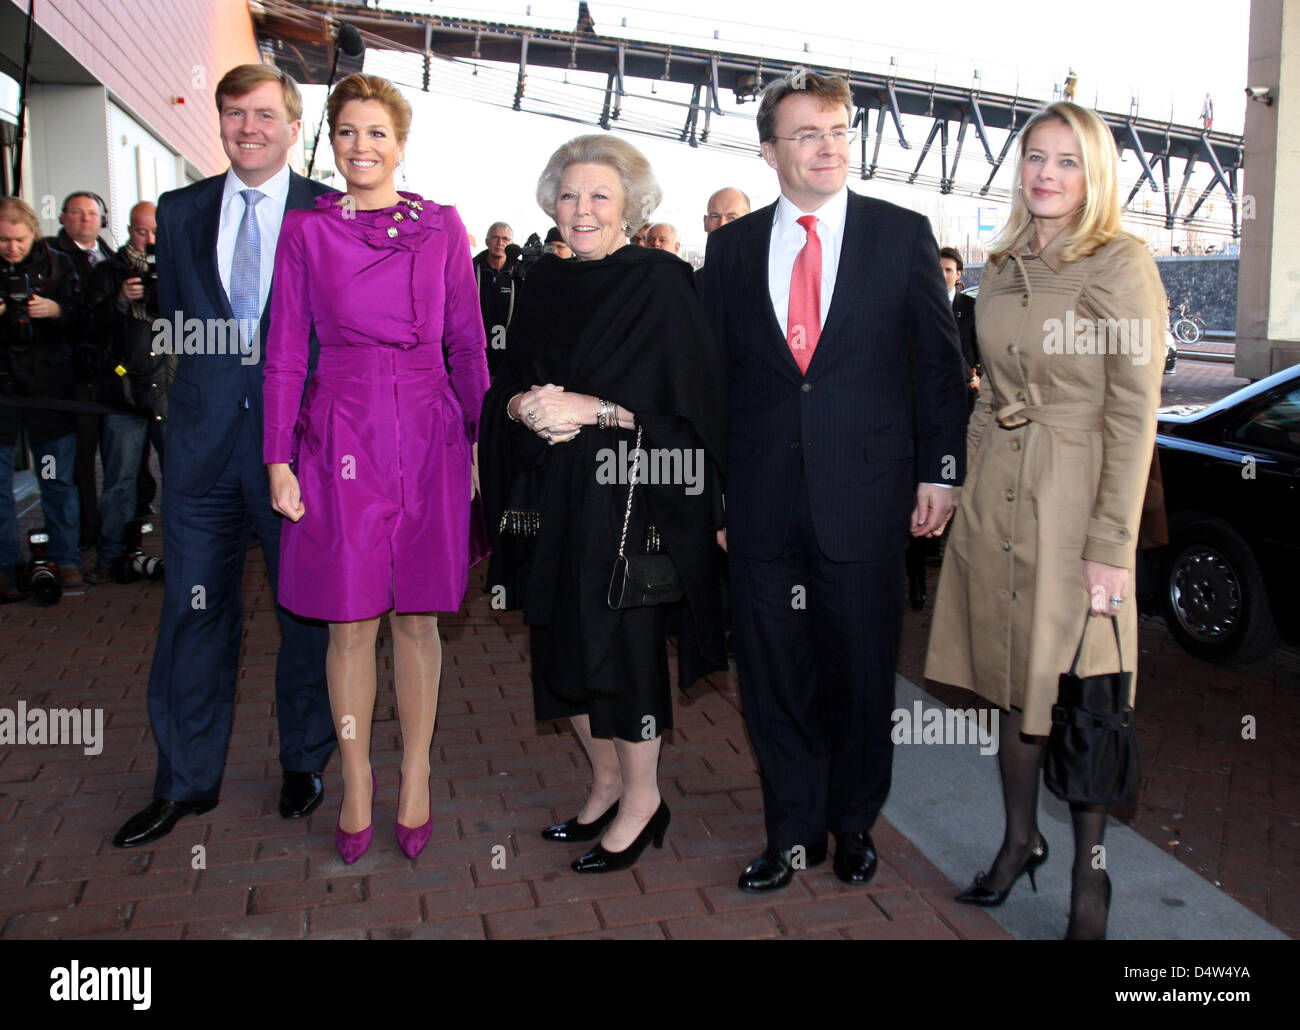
[(499, 778)]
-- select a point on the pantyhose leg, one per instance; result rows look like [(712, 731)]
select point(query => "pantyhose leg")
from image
[(1089, 900), (639, 762), (1020, 760), (417, 670), (606, 779), (350, 675)]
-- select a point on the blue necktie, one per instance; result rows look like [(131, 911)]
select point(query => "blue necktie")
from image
[(246, 271)]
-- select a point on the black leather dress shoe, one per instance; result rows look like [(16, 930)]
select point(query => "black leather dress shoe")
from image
[(300, 794), (576, 831), (855, 857), (156, 821), (773, 869), (598, 860)]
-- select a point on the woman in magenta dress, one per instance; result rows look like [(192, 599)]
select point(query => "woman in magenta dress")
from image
[(373, 464)]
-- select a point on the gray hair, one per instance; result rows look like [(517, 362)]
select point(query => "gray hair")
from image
[(641, 192), (501, 225)]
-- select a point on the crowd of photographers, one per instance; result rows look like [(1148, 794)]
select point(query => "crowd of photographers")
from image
[(78, 377)]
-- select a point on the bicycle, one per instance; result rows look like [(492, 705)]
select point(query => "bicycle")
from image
[(1187, 328)]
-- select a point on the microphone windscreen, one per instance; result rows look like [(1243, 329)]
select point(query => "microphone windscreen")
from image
[(513, 251), (350, 40)]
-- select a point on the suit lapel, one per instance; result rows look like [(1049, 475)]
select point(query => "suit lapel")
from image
[(754, 274), (205, 221), (860, 240)]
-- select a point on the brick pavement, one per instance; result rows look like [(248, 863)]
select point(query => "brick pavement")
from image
[(1224, 806), (499, 777)]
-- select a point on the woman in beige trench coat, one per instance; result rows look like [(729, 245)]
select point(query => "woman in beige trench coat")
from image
[(1070, 319)]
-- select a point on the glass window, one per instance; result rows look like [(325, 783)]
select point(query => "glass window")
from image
[(1275, 427)]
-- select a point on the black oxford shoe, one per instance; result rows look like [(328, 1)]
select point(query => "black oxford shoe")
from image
[(156, 821), (300, 794), (773, 869), (855, 857)]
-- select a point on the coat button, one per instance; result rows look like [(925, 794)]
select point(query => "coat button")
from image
[(1010, 495), (392, 230), (1014, 595), (1024, 301), (1006, 545), (1015, 445), (1011, 348), (1020, 396), (794, 445), (806, 387)]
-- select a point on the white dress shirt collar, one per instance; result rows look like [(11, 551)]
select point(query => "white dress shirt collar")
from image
[(831, 214), (276, 187)]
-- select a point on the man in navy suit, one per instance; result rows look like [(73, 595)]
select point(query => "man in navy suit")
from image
[(216, 251), (846, 430)]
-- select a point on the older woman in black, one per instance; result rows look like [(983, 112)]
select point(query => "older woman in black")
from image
[(599, 349)]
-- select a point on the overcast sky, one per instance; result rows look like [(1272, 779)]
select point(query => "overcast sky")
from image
[(486, 159)]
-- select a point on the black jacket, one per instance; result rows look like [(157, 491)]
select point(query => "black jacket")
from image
[(35, 354), (963, 309), (127, 341)]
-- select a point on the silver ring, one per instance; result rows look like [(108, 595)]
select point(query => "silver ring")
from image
[(1117, 601), (532, 416), (549, 439)]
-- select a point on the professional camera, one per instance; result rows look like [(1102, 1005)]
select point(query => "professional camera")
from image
[(150, 277), (134, 564), (42, 573), (519, 260), (16, 293)]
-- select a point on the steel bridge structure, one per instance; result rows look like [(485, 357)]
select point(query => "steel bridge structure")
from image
[(1184, 165)]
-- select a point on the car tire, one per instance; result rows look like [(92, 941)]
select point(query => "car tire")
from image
[(1213, 596)]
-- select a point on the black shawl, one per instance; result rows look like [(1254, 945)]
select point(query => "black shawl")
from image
[(629, 329)]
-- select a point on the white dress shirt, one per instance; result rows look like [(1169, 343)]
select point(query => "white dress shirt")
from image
[(788, 238), (951, 294), (269, 212)]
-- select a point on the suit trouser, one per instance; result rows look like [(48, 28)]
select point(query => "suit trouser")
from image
[(192, 682), (89, 431), (817, 650)]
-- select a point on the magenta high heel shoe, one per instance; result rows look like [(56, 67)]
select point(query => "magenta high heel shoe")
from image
[(412, 840), (353, 845)]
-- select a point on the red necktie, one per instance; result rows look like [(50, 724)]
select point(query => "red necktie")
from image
[(805, 321)]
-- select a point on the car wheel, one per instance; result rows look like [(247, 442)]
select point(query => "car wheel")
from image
[(1213, 596)]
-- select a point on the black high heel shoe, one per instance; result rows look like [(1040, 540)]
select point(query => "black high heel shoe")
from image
[(978, 894), (580, 832), (1069, 930), (599, 860)]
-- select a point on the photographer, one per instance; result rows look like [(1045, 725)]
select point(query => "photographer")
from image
[(123, 303), (40, 311), (496, 291)]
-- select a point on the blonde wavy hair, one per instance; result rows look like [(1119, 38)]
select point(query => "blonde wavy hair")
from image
[(1098, 220)]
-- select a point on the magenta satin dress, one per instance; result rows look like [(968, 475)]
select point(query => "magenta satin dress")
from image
[(381, 440)]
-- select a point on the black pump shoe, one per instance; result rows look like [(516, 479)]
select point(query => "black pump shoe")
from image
[(599, 860), (580, 832), (978, 894)]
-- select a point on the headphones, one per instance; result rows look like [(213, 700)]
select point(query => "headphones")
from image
[(103, 208)]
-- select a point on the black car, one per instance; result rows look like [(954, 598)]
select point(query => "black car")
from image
[(1229, 581)]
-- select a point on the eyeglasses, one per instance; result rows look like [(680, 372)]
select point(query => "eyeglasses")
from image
[(839, 137), (722, 218)]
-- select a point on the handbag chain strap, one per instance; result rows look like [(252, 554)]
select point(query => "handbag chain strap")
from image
[(1114, 624), (627, 514)]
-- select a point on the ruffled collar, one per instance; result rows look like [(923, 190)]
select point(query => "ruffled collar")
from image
[(403, 226)]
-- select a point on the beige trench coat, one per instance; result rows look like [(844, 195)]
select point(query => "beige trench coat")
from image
[(1058, 451)]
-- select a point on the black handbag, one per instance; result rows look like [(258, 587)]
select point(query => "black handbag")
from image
[(1092, 752), (641, 580)]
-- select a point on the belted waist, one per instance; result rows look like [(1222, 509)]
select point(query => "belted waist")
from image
[(356, 362), (1069, 415)]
